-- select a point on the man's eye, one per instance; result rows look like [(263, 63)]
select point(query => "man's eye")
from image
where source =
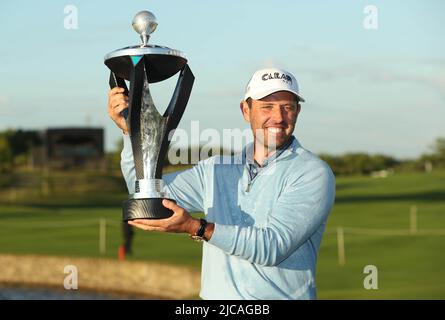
[(266, 107)]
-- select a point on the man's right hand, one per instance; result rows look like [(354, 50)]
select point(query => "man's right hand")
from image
[(117, 102)]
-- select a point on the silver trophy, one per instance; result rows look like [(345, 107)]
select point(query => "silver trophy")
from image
[(149, 130)]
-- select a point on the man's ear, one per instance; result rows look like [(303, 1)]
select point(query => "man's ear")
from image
[(298, 108), (245, 110)]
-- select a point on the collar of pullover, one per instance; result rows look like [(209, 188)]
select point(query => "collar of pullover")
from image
[(246, 156)]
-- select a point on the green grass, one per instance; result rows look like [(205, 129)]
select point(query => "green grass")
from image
[(65, 221), (409, 266), (75, 232)]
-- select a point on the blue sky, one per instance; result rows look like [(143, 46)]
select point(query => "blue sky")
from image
[(378, 91)]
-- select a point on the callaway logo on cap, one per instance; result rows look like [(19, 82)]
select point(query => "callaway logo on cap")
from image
[(270, 80)]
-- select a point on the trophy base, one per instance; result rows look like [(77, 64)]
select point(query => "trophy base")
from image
[(149, 208)]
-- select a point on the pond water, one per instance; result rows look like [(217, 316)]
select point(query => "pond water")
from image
[(35, 293)]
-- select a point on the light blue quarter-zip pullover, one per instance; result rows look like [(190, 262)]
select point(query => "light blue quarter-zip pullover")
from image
[(267, 229)]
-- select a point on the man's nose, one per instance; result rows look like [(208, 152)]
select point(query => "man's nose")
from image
[(277, 115)]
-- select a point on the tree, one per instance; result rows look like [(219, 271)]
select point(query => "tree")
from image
[(358, 163), (439, 148), (6, 157)]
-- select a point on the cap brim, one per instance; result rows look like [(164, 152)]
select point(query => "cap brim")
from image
[(261, 95)]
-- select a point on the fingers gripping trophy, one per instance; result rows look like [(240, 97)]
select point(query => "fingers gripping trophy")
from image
[(148, 129)]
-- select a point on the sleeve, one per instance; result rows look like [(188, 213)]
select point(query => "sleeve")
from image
[(185, 187), (127, 164), (301, 209)]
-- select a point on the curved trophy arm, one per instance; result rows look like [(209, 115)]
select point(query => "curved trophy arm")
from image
[(134, 118), (180, 97), (116, 81), (175, 110)]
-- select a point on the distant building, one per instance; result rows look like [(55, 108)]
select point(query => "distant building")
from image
[(64, 148)]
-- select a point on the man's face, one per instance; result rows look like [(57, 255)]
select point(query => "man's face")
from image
[(272, 118)]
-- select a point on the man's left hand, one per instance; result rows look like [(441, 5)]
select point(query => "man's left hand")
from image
[(180, 221)]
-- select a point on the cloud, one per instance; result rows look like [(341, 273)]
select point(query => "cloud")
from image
[(374, 74), (324, 63), (434, 81)]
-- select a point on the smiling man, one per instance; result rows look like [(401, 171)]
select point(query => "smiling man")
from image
[(265, 208)]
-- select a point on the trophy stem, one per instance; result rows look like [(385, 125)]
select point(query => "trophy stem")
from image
[(144, 39)]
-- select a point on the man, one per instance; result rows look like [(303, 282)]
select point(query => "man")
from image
[(265, 212)]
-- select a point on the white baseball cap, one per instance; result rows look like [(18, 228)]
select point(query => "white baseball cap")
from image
[(270, 80)]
